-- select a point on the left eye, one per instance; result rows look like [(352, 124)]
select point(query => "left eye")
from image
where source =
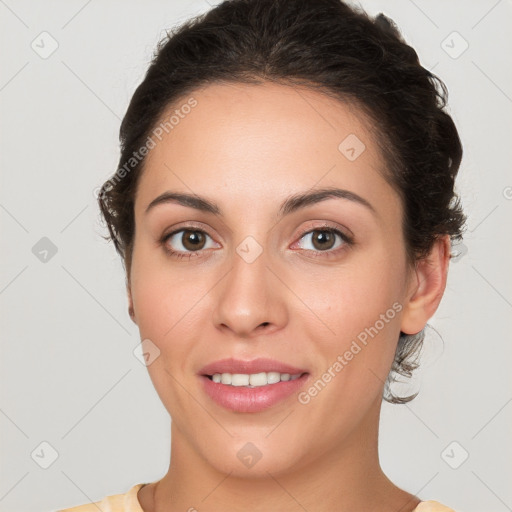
[(324, 239)]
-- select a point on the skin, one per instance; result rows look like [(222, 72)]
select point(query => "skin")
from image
[(248, 148)]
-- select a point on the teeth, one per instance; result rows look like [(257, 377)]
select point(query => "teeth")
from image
[(252, 380)]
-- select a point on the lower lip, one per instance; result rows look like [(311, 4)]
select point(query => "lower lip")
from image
[(243, 399)]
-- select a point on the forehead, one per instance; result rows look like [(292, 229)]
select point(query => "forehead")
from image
[(261, 138)]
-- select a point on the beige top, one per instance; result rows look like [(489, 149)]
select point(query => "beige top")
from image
[(128, 502)]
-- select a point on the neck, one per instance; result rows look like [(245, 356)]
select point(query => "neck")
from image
[(346, 477)]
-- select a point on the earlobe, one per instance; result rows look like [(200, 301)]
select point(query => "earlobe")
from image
[(427, 285), (132, 314), (131, 311)]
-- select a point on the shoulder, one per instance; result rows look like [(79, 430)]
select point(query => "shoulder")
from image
[(432, 506), (126, 502)]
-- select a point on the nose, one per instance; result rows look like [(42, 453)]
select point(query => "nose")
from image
[(250, 300)]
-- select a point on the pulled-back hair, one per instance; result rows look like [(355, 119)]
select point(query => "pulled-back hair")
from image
[(333, 48)]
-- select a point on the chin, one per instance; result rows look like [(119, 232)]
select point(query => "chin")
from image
[(255, 456)]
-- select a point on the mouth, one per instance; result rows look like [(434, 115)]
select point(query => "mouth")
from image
[(251, 386)]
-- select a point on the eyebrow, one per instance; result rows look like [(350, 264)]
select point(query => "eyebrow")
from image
[(290, 205)]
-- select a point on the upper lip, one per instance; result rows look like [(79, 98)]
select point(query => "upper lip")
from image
[(259, 365)]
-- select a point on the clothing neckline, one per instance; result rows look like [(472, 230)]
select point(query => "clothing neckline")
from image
[(132, 503)]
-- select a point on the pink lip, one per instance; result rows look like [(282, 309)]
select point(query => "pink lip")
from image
[(259, 365), (244, 399)]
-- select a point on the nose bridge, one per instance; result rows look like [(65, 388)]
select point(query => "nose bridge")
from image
[(250, 295)]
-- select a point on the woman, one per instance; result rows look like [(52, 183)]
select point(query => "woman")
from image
[(263, 131)]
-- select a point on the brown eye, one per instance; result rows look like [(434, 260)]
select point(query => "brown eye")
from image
[(185, 242), (193, 240), (324, 240)]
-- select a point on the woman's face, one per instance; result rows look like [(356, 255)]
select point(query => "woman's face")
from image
[(256, 279)]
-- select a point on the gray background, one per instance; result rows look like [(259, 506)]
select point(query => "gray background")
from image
[(69, 376)]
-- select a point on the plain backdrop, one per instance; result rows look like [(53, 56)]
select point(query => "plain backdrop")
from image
[(79, 417)]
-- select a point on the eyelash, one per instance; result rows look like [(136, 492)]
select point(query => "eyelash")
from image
[(347, 241)]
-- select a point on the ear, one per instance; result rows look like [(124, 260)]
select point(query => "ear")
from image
[(426, 287), (131, 311)]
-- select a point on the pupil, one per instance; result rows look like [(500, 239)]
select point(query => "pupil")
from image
[(192, 239), (323, 237)]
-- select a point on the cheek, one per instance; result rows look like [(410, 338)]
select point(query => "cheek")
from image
[(156, 290), (173, 308), (349, 298), (163, 302), (154, 306), (363, 309), (357, 315), (164, 306)]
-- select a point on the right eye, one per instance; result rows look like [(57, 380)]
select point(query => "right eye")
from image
[(183, 243)]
